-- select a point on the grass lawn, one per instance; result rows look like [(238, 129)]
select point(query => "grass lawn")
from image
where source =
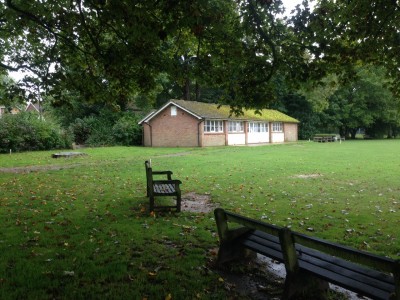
[(78, 228)]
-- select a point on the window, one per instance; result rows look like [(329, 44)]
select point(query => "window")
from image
[(173, 110), (277, 127), (235, 126), (213, 126), (257, 127)]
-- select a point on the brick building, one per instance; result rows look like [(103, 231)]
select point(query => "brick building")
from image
[(181, 123)]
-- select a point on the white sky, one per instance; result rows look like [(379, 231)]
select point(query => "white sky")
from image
[(291, 4)]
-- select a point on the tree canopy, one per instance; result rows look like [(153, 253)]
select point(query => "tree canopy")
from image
[(117, 51)]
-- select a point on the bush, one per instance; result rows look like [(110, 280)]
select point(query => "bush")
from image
[(26, 132), (127, 131), (80, 130), (107, 129)]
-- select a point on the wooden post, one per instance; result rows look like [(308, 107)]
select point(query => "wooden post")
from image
[(396, 276), (288, 251), (298, 284), (222, 224), (229, 249)]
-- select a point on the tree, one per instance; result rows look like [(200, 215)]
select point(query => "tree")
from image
[(110, 51), (340, 34), (361, 103), (104, 51)]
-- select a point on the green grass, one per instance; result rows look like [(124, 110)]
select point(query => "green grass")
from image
[(78, 228)]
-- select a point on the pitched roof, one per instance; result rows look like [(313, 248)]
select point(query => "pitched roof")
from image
[(203, 110), (33, 107)]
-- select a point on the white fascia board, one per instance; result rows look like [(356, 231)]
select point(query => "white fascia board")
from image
[(189, 112), (155, 113), (146, 117)]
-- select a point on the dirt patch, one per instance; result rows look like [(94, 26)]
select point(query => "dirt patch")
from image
[(197, 203), (263, 278), (250, 279), (29, 169), (306, 176)]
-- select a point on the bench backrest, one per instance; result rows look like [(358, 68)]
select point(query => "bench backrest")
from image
[(247, 222), (368, 259), (149, 175), (374, 261)]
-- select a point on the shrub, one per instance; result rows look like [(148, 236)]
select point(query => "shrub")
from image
[(127, 132), (80, 130), (107, 129), (26, 132), (100, 131)]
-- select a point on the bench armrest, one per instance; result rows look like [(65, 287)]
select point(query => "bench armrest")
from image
[(162, 172), (175, 181), (168, 173)]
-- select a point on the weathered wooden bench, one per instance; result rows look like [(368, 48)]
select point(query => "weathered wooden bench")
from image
[(322, 138), (310, 262), (168, 187)]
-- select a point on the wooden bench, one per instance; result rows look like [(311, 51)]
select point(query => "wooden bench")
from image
[(168, 187), (322, 138), (310, 262)]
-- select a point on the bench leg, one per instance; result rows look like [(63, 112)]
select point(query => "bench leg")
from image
[(151, 198), (298, 283), (232, 251), (178, 202), (303, 285), (229, 248)]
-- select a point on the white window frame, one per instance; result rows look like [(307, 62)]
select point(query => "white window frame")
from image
[(213, 126), (257, 127), (174, 111), (235, 126), (277, 127)]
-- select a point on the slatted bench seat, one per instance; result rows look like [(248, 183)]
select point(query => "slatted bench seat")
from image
[(168, 187), (310, 262)]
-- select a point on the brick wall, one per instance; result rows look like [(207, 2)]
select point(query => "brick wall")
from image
[(146, 135), (214, 139), (291, 132), (180, 130)]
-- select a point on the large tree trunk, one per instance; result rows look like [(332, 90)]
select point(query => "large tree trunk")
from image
[(353, 133), (186, 89), (197, 91)]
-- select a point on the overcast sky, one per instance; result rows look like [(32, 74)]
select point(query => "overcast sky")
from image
[(291, 4)]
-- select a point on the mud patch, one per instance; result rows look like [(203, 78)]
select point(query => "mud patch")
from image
[(263, 278), (306, 176), (251, 279), (29, 169), (193, 202)]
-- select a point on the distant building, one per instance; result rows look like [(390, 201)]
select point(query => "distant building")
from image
[(181, 123)]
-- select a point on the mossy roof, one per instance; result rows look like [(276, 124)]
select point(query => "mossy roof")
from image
[(212, 111)]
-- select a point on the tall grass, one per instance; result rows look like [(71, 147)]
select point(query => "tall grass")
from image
[(79, 228)]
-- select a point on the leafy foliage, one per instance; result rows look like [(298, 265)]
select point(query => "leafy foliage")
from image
[(126, 131), (26, 132), (338, 35)]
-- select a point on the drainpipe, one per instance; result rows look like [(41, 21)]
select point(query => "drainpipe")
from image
[(198, 132), (151, 134)]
